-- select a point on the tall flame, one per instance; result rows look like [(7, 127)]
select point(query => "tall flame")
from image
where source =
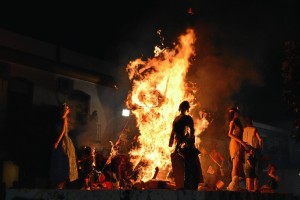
[(158, 87)]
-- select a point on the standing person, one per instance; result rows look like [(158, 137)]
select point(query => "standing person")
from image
[(253, 138), (85, 166), (236, 145), (250, 170), (63, 163), (122, 142), (183, 136)]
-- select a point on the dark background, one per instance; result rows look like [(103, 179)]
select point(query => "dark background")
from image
[(241, 35)]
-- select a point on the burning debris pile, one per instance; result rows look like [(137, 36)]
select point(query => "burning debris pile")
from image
[(158, 86)]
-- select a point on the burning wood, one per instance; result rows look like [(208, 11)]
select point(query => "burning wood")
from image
[(158, 86)]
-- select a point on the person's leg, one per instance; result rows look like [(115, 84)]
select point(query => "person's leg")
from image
[(249, 184), (255, 184), (87, 182), (190, 175), (187, 177), (235, 167), (255, 181)]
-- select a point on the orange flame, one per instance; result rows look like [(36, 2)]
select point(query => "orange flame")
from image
[(158, 87)]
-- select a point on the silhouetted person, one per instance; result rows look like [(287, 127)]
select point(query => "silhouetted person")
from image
[(236, 145), (253, 138), (183, 136), (250, 170), (272, 184), (63, 163), (122, 142), (85, 166)]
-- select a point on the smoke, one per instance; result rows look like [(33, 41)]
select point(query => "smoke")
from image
[(218, 71)]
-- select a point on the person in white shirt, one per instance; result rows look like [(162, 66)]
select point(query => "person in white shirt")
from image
[(252, 137)]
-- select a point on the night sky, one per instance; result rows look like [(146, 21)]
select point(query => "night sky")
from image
[(247, 36)]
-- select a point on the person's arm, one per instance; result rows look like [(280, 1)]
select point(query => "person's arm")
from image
[(232, 136), (192, 128), (171, 140), (249, 163), (215, 157), (61, 133), (272, 175), (258, 138), (221, 158)]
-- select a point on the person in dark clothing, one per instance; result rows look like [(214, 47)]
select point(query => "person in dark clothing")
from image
[(250, 170), (85, 166), (183, 136), (272, 184)]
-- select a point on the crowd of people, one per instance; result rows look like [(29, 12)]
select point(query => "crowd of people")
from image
[(249, 166), (245, 153), (188, 171)]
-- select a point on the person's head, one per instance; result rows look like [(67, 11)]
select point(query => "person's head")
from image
[(65, 110), (184, 106), (271, 168), (233, 113), (249, 121), (86, 150)]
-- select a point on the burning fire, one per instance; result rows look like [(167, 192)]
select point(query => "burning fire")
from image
[(158, 87)]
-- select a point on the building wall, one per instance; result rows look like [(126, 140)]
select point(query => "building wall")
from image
[(46, 90), (279, 148), (31, 94), (53, 52)]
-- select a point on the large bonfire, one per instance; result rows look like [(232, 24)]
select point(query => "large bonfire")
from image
[(159, 85)]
